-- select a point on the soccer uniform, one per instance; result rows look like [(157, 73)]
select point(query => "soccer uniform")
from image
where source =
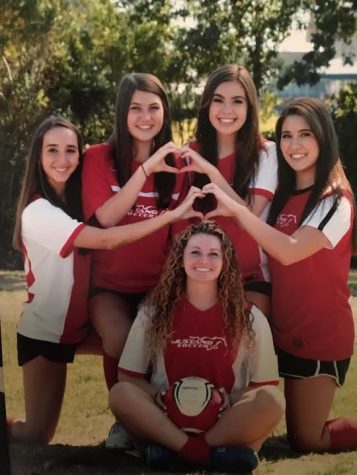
[(135, 267), (311, 317), (250, 256), (57, 275), (198, 347)]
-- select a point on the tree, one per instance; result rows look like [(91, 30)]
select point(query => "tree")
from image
[(331, 21)]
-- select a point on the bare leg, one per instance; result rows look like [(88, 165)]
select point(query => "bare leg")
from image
[(91, 345), (111, 318), (137, 411), (250, 420), (308, 403), (44, 384)]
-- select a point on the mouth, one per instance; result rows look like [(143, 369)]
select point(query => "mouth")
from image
[(224, 120), (61, 170), (144, 127), (297, 156), (202, 269)]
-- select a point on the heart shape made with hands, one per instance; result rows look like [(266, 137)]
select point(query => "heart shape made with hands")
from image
[(205, 204), (180, 160)]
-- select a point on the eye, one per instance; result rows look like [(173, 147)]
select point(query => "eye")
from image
[(285, 135), (214, 254), (71, 150), (52, 150), (217, 99), (194, 252), (134, 108), (239, 100), (306, 134), (155, 107)]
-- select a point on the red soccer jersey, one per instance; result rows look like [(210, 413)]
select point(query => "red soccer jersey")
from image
[(251, 258), (57, 275), (134, 267), (198, 347), (311, 316)]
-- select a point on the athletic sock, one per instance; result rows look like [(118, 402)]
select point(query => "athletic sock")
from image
[(343, 433), (196, 450), (110, 366)]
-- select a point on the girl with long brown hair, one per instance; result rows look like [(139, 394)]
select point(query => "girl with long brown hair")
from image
[(196, 323)]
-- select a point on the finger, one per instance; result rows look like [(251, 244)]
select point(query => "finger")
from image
[(169, 169), (212, 214)]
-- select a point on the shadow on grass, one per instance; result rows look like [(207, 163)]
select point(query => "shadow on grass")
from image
[(96, 460)]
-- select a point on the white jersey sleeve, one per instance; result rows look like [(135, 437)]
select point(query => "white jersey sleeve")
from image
[(263, 365), (49, 227), (333, 218), (134, 360), (266, 177)]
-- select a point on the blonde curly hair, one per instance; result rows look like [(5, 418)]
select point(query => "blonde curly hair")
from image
[(160, 303)]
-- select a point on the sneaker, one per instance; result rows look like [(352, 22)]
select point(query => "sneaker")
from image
[(118, 438), (161, 458), (234, 459)]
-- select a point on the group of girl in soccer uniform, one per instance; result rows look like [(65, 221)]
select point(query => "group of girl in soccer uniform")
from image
[(139, 190)]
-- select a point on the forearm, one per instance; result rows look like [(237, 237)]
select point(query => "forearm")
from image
[(216, 177), (110, 238), (116, 207)]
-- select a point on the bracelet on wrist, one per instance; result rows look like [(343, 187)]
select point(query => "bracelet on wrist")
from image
[(146, 175)]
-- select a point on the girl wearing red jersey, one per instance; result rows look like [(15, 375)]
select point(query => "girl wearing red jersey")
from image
[(196, 323), (129, 179), (49, 230), (238, 159), (310, 241)]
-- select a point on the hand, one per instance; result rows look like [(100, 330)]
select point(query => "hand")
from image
[(185, 209), (156, 163), (158, 400), (225, 401), (195, 162), (226, 206)]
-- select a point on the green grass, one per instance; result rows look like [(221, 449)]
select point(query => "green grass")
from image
[(86, 419)]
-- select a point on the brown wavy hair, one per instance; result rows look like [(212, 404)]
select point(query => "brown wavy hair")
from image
[(160, 303)]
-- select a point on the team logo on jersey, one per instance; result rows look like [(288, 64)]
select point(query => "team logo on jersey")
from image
[(202, 342), (285, 220), (145, 212)]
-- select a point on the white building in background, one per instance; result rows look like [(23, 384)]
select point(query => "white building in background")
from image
[(332, 78)]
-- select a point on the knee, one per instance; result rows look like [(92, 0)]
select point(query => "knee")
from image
[(114, 341), (121, 397), (271, 399)]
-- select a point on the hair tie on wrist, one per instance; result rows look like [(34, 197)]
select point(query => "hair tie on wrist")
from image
[(142, 166)]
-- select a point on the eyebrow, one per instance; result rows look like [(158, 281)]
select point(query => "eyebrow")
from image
[(215, 94), (140, 103), (300, 130), (56, 145), (211, 249)]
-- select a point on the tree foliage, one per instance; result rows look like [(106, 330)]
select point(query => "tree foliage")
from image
[(67, 56)]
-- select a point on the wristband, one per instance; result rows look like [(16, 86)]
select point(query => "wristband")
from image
[(146, 175)]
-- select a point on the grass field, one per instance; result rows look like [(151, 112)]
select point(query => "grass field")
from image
[(78, 444)]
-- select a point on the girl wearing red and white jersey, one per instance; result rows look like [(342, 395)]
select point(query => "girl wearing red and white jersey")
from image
[(196, 323), (238, 159), (310, 239), (49, 230), (131, 178)]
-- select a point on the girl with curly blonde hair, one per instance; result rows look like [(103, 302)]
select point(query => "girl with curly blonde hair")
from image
[(197, 323)]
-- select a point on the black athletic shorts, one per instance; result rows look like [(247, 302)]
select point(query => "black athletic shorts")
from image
[(133, 299), (293, 367), (28, 349)]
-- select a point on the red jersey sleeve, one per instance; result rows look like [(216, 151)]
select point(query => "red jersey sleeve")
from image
[(99, 181)]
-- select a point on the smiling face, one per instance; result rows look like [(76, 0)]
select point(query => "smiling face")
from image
[(300, 149), (59, 157), (145, 116), (202, 258), (228, 108)]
